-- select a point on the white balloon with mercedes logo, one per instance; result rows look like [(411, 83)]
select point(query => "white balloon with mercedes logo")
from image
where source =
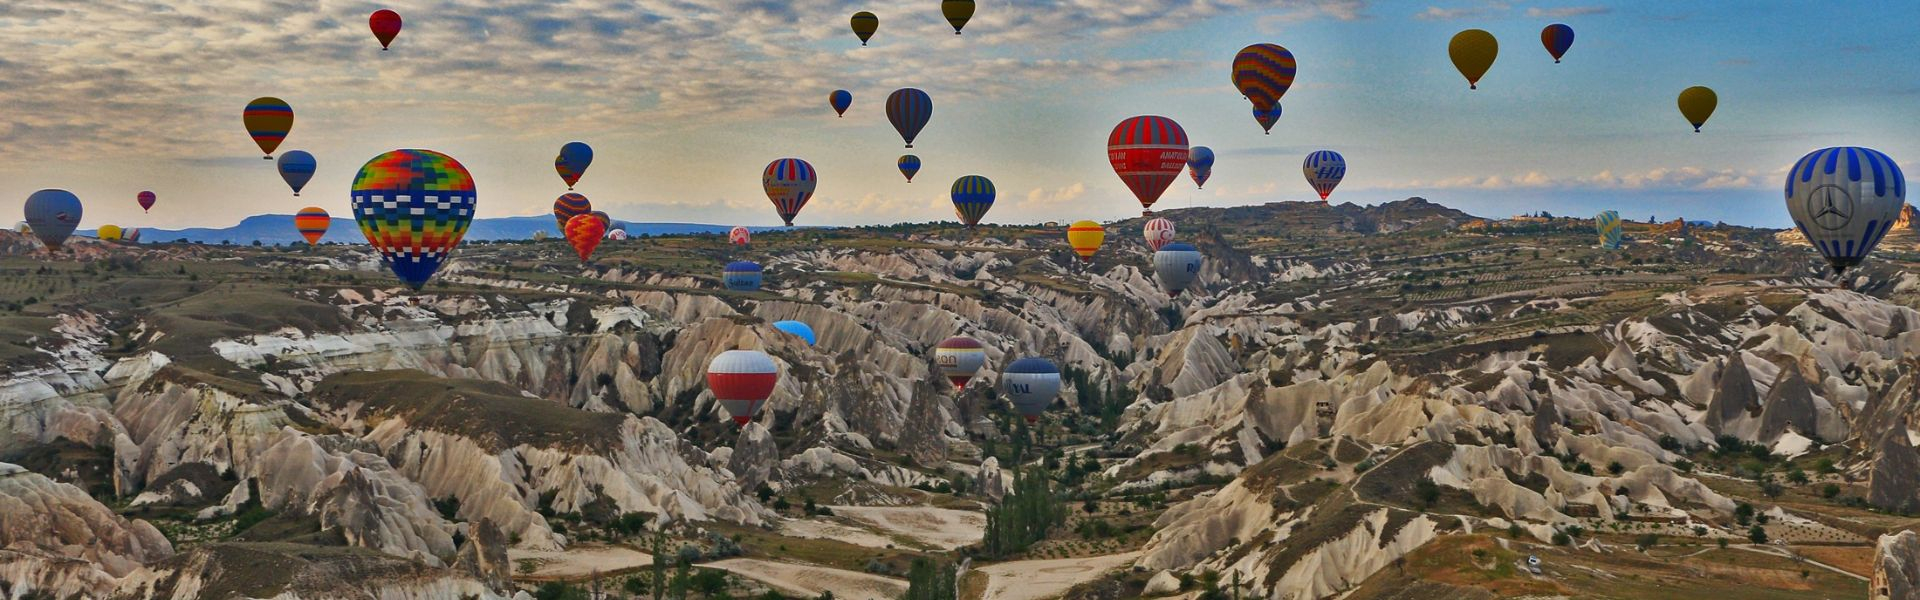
[(1845, 199)]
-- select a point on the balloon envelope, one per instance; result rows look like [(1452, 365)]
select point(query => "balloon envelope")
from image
[(909, 109), (742, 276), (1147, 152), (146, 200), (1557, 37), (959, 358), (108, 233), (296, 168), (909, 165), (414, 206), (789, 183), (957, 12), (798, 329), (584, 233), (1324, 170), (385, 25), (1086, 238), (740, 236), (573, 161), (1607, 224), (1697, 104), (1176, 265), (1200, 165), (972, 197), (1473, 52), (312, 223), (567, 206), (741, 381), (1263, 72), (864, 24), (268, 120), (1032, 384), (1266, 118), (840, 100), (1159, 232), (53, 215), (1845, 200)]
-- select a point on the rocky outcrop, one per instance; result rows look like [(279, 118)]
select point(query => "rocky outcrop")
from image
[(1789, 405), (1894, 481), (923, 437), (1735, 401), (990, 481), (755, 455), (51, 521), (484, 556), (1896, 567)]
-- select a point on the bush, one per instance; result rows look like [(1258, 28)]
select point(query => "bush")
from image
[(1758, 534), (1830, 490), (1426, 491), (1647, 540), (1560, 538), (1616, 468)]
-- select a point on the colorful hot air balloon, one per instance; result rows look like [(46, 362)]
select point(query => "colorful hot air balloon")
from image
[(385, 25), (584, 233), (312, 222), (909, 164), (573, 161), (1696, 104), (740, 236), (1557, 38), (1200, 165), (1176, 265), (617, 235), (972, 197), (959, 358), (605, 219), (1147, 153), (413, 206), (1159, 232), (864, 24), (789, 183), (1324, 169), (1086, 238), (957, 12), (840, 100), (569, 205), (742, 276), (1266, 118), (130, 235), (1263, 72), (53, 215), (108, 233), (909, 109), (741, 380), (797, 329), (268, 120), (296, 168), (1844, 200), (1473, 52), (1032, 384), (1607, 224), (146, 200)]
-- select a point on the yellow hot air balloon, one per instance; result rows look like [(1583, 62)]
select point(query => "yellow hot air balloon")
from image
[(957, 12), (1473, 52), (1696, 104), (109, 233), (1086, 237), (864, 24)]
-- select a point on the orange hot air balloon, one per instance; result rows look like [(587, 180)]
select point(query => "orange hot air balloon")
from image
[(312, 222), (1086, 238), (584, 233)]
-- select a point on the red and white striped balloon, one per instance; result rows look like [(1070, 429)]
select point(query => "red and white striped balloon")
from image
[(739, 236), (741, 381), (1159, 232)]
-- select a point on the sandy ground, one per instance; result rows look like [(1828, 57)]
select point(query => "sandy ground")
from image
[(821, 529), (939, 528), (809, 581), (578, 562), (1042, 579)]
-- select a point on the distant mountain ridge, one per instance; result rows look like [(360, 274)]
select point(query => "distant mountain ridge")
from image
[(279, 229)]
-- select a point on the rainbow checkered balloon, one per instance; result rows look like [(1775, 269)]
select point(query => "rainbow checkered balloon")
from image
[(413, 206)]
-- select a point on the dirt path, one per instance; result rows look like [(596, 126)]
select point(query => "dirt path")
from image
[(579, 562), (938, 528), (1042, 579), (809, 581)]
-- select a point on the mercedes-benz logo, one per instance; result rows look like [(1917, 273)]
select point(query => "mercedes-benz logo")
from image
[(1830, 207)]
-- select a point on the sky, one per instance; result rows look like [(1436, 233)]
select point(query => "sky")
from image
[(686, 101)]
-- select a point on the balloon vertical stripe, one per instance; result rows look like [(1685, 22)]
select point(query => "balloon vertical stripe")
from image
[(909, 109)]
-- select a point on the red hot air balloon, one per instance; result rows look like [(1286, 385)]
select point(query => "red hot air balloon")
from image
[(740, 235), (741, 381), (584, 232), (1148, 153), (386, 25), (146, 200)]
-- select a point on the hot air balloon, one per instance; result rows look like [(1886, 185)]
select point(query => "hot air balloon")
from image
[(296, 168), (1473, 52), (840, 100), (741, 380), (268, 120), (130, 235), (1200, 165), (146, 200), (959, 358), (385, 25), (1159, 232), (797, 329), (584, 233), (1266, 118), (1607, 224), (312, 222), (1324, 169), (108, 233), (1557, 38), (569, 205), (1263, 72), (53, 215), (972, 197), (909, 109), (789, 183), (1844, 200), (957, 12), (617, 235), (1086, 237), (413, 206), (742, 276), (1696, 104), (573, 161), (909, 164), (1147, 153), (1032, 384), (605, 219), (864, 24), (540, 236), (1176, 265), (740, 236)]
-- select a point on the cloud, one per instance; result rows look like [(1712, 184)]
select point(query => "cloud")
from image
[(1679, 178), (1041, 198), (1435, 13), (1567, 11)]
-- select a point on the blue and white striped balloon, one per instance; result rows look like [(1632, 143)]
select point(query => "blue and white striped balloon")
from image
[(1324, 169), (1845, 199)]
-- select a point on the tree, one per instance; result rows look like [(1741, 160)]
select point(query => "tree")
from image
[(927, 580), (1743, 513), (1426, 491), (1646, 541), (1758, 534)]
